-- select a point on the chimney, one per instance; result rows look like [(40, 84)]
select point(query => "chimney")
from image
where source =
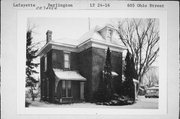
[(48, 36)]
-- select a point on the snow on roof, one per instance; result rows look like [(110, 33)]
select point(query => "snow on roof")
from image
[(68, 75), (93, 34), (98, 28), (86, 35), (67, 41)]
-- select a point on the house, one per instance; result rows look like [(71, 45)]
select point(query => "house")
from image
[(151, 77), (70, 70)]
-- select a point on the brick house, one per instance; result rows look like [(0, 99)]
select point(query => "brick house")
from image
[(70, 70)]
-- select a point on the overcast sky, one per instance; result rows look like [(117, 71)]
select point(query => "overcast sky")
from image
[(72, 28)]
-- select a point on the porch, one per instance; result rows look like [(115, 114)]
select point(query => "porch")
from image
[(69, 86)]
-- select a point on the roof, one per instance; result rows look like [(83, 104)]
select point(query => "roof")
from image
[(67, 41), (68, 75), (93, 35)]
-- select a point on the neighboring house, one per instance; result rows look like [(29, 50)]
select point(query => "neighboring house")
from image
[(151, 77), (70, 70)]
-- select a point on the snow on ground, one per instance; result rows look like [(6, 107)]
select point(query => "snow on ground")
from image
[(142, 103)]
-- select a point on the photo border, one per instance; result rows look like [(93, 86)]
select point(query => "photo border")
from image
[(22, 17)]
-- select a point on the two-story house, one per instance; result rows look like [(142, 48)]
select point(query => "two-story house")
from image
[(70, 70)]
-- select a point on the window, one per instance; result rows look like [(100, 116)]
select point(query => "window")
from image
[(109, 34), (81, 90), (66, 88), (63, 89), (66, 61), (45, 63), (54, 56)]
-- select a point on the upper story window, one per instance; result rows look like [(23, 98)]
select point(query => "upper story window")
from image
[(54, 56), (109, 34), (45, 63), (66, 60)]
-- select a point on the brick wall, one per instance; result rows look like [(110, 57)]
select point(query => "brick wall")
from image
[(42, 76), (89, 63), (85, 69), (98, 59), (73, 61), (47, 91)]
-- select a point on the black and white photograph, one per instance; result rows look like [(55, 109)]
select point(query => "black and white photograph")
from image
[(93, 59), (92, 63)]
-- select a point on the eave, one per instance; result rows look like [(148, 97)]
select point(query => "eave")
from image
[(82, 46), (55, 45)]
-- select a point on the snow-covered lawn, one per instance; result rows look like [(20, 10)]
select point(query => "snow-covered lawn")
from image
[(142, 103)]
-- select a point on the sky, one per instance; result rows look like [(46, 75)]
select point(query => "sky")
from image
[(72, 28)]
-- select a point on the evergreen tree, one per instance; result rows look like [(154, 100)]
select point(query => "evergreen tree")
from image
[(30, 65), (134, 75), (134, 72), (129, 75), (105, 88), (108, 75), (127, 71)]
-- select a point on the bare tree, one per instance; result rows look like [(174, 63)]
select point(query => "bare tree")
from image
[(141, 37)]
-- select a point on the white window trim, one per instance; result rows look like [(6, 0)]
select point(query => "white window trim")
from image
[(67, 53), (45, 63)]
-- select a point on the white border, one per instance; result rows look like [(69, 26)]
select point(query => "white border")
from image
[(21, 49)]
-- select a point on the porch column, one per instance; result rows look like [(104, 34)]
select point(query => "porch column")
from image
[(135, 91), (47, 88)]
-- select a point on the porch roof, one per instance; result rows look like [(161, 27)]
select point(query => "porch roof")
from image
[(68, 75)]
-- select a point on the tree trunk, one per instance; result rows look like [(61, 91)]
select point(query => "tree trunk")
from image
[(32, 94), (137, 89), (33, 98)]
